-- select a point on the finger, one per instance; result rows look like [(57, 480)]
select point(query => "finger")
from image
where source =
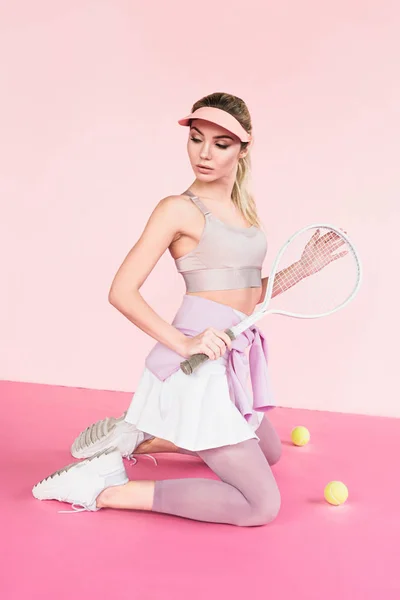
[(329, 236), (217, 350), (334, 245), (224, 337), (314, 237), (216, 340), (334, 234), (219, 345), (227, 340), (211, 340), (207, 350), (339, 255)]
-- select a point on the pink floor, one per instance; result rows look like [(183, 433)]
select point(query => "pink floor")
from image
[(312, 550)]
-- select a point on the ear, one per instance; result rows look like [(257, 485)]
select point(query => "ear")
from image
[(244, 152)]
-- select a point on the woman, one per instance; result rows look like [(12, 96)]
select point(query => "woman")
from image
[(213, 233)]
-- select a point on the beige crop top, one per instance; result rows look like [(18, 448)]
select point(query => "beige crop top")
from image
[(226, 258)]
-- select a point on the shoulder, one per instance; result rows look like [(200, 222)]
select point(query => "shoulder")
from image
[(175, 201), (175, 206), (177, 213)]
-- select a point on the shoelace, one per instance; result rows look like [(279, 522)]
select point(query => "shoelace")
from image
[(74, 509), (131, 457), (83, 508)]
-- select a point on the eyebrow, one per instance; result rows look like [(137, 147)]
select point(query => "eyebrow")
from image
[(216, 137)]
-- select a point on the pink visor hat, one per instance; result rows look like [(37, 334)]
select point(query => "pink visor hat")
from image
[(219, 117)]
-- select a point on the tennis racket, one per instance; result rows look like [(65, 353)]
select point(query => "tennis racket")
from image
[(315, 273)]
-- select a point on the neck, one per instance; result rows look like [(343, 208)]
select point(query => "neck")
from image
[(218, 191)]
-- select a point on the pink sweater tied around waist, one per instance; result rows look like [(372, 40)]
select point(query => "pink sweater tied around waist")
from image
[(194, 316)]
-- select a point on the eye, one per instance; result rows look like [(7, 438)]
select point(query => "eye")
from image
[(197, 141)]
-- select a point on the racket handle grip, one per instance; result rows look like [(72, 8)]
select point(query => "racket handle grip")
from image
[(191, 364)]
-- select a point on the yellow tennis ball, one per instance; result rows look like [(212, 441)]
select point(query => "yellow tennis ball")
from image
[(336, 493), (300, 436)]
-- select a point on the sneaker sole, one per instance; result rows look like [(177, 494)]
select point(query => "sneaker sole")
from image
[(98, 437), (41, 486)]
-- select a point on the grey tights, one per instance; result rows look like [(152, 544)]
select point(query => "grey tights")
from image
[(247, 493)]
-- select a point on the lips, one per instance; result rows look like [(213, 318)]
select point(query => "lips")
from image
[(203, 167)]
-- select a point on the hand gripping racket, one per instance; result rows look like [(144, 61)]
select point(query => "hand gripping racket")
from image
[(322, 281)]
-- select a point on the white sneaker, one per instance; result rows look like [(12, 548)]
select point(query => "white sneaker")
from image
[(107, 433), (80, 483)]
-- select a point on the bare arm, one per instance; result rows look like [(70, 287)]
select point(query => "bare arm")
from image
[(161, 229), (284, 280), (317, 254)]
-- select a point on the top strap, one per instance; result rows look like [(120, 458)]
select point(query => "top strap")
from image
[(198, 202)]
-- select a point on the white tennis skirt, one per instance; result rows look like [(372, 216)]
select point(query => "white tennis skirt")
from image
[(193, 412)]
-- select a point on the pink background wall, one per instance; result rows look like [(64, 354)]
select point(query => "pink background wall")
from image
[(90, 93)]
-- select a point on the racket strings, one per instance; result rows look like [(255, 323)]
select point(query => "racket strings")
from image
[(317, 272), (317, 253)]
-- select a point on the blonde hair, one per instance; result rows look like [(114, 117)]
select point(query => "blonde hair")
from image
[(241, 195)]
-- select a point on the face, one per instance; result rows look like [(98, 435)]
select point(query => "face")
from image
[(215, 147)]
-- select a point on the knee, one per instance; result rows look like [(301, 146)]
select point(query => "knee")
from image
[(263, 512), (275, 453), (267, 511)]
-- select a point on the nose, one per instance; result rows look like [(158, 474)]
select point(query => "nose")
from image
[(205, 151)]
